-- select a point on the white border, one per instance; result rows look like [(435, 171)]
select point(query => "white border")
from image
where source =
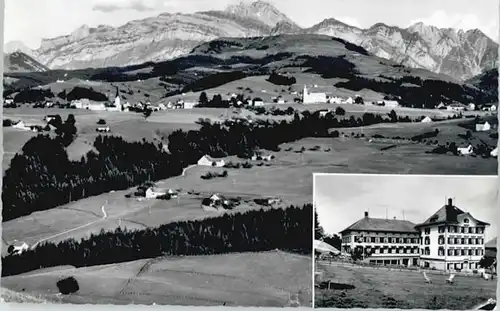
[(413, 175)]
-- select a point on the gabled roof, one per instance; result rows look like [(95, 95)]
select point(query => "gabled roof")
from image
[(448, 214), (211, 159), (324, 247), (377, 224)]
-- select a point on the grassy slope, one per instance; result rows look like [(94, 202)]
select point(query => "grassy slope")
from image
[(234, 279), (290, 177), (401, 289)]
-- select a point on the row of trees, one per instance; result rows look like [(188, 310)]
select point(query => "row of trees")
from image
[(258, 230), (40, 95)]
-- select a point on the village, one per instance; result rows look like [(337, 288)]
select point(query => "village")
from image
[(234, 100)]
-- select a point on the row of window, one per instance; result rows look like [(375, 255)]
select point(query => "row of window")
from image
[(395, 251), (454, 252), (457, 229), (386, 240), (458, 241)]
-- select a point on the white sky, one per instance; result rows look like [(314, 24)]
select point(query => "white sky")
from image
[(341, 200), (31, 20)]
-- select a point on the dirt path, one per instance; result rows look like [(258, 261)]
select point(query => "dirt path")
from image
[(105, 215)]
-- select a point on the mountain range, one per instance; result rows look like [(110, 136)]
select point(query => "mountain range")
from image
[(457, 53)]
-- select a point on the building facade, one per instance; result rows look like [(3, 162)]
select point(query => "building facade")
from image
[(449, 240), (383, 241), (452, 239), (312, 98)]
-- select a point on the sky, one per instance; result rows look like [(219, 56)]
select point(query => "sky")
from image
[(29, 21), (341, 200)]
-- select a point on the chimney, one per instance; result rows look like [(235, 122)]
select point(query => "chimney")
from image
[(450, 202), (366, 214)]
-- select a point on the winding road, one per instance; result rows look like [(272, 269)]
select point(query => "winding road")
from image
[(104, 216)]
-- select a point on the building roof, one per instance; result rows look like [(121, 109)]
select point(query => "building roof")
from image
[(491, 243), (448, 214), (384, 225), (324, 247)]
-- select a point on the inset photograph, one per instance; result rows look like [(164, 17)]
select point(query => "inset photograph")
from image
[(405, 241)]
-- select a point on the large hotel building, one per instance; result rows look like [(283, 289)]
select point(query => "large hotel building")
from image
[(450, 239)]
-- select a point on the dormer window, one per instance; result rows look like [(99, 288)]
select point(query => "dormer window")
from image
[(466, 220), (433, 219)]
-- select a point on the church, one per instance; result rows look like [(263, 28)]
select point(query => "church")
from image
[(313, 98)]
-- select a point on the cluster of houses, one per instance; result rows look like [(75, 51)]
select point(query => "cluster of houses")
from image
[(85, 103), (21, 125), (216, 203), (480, 127), (459, 107)]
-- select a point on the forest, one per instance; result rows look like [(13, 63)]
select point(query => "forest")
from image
[(258, 230)]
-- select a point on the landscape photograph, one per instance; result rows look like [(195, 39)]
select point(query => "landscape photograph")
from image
[(407, 250), (159, 152)]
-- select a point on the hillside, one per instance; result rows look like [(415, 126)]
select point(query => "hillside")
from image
[(339, 64), (461, 54), (21, 62), (487, 81)]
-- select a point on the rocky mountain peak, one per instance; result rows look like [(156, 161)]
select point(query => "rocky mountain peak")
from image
[(259, 10), (285, 27), (16, 46)]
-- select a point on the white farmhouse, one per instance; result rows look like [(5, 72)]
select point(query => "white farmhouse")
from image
[(313, 98), (258, 103), (494, 152), (455, 107), (103, 129), (19, 249), (335, 100), (483, 127), (426, 120), (208, 161), (391, 103), (466, 150), (348, 101), (20, 125), (49, 118), (152, 194)]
